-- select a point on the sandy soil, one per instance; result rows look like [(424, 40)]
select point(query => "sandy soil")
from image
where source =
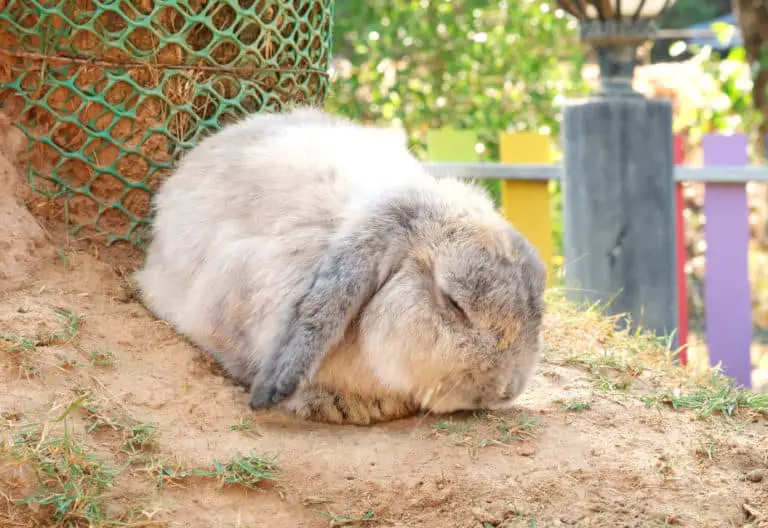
[(586, 446)]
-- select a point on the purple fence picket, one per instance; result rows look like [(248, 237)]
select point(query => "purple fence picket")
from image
[(727, 291)]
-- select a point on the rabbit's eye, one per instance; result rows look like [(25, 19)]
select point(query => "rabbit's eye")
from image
[(456, 307)]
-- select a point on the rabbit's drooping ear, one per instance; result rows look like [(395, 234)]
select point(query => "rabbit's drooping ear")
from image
[(355, 266)]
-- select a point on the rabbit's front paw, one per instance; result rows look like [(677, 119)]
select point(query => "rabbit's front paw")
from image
[(275, 383), (261, 395), (268, 394)]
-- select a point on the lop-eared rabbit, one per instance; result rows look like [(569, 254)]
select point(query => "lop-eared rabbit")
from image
[(321, 266)]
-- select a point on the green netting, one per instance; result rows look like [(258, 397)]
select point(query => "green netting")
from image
[(111, 92)]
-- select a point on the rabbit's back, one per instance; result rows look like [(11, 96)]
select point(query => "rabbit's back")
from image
[(274, 174)]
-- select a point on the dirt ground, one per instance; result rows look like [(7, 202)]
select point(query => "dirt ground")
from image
[(109, 418)]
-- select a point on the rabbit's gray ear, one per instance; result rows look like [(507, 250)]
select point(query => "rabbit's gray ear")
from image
[(355, 266)]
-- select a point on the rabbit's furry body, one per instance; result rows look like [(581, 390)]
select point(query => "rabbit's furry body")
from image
[(320, 265)]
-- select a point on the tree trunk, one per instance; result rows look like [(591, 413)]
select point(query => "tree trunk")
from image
[(753, 21)]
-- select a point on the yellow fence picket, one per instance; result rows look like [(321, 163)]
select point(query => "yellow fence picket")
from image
[(525, 203)]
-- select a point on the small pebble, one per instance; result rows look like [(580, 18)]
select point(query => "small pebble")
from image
[(756, 475), (526, 451), (487, 516)]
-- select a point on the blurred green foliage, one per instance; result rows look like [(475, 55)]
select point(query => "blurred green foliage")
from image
[(715, 95), (485, 66)]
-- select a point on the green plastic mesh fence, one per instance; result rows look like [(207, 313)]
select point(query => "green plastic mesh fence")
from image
[(110, 93)]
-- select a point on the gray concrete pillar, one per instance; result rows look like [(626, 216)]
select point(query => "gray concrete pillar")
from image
[(618, 200)]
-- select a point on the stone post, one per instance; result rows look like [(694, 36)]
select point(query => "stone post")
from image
[(618, 199)]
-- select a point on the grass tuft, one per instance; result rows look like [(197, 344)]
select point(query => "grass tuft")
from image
[(510, 429), (449, 426), (55, 477), (574, 405), (71, 482), (246, 426), (71, 323), (248, 471), (724, 400), (615, 358), (136, 437), (102, 358)]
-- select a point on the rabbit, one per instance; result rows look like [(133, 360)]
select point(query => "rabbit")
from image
[(320, 264)]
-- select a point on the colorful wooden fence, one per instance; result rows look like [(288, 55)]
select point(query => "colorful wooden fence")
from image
[(524, 171)]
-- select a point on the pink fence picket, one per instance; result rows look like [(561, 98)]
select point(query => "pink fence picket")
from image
[(727, 289)]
